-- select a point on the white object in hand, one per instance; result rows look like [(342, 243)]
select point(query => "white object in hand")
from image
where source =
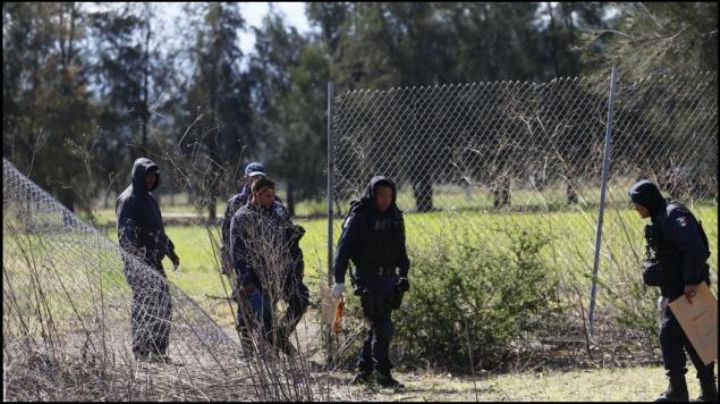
[(338, 289)]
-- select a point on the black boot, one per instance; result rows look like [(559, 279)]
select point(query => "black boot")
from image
[(363, 377), (386, 380), (709, 389), (283, 343), (677, 392)]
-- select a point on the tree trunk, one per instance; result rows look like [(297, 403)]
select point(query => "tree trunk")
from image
[(144, 104), (553, 42), (423, 193), (67, 198), (501, 186), (571, 194), (212, 208), (72, 32), (501, 192), (290, 199)]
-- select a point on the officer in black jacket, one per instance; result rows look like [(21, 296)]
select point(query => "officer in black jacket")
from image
[(680, 250), (253, 172), (142, 234), (373, 238), (266, 256)]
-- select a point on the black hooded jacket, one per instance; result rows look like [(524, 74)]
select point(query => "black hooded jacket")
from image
[(139, 221), (682, 250), (372, 239)]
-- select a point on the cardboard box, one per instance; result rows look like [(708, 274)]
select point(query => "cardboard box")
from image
[(699, 320)]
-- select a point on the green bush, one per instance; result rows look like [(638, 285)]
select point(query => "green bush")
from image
[(468, 300), (634, 306)]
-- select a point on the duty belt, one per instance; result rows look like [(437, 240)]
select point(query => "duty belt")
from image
[(385, 271)]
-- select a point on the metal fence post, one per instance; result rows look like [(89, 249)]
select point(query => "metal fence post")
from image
[(605, 172), (330, 192)]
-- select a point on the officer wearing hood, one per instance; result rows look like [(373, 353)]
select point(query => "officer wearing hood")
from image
[(142, 234), (679, 265), (373, 238)]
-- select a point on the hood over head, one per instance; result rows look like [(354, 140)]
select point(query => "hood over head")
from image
[(141, 167), (368, 197), (647, 194)]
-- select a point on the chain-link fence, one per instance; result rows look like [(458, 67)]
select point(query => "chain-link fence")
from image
[(76, 308), (478, 163), (488, 161)]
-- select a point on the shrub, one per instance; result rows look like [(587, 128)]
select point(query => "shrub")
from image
[(468, 298)]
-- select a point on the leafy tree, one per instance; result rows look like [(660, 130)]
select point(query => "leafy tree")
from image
[(277, 53), (49, 117), (217, 108), (132, 80), (657, 38)]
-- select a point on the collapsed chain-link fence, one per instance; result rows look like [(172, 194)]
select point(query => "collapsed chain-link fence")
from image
[(75, 304), (488, 161)]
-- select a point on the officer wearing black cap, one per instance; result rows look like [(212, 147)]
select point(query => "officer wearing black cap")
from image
[(680, 250), (263, 256), (373, 238), (253, 171), (295, 292)]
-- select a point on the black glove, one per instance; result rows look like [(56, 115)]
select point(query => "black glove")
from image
[(174, 258), (653, 274), (297, 232), (402, 285)]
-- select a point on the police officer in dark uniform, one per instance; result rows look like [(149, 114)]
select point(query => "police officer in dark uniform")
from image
[(677, 265), (141, 233), (373, 238)]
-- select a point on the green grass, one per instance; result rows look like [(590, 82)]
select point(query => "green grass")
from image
[(572, 235), (570, 251)]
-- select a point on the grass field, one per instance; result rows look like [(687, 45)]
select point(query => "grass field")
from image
[(571, 236), (570, 250)]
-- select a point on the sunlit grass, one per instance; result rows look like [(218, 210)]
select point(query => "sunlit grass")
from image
[(571, 233)]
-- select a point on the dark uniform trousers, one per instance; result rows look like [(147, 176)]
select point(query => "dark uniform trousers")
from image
[(377, 294), (151, 310), (297, 296)]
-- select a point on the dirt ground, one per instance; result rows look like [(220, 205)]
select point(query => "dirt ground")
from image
[(612, 376)]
